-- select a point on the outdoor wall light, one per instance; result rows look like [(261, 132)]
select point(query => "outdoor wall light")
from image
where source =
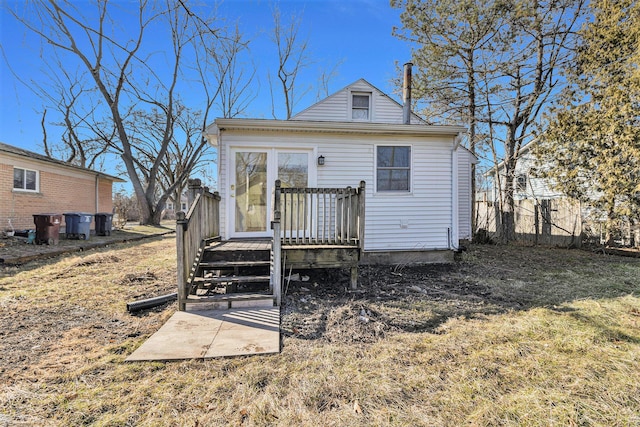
[(321, 160)]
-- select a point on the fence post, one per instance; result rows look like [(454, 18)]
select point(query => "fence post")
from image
[(536, 212)]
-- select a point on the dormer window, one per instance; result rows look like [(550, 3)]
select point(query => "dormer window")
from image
[(360, 106)]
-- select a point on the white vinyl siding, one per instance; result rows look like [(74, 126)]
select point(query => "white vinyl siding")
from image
[(535, 188), (465, 159), (331, 109), (394, 221), (338, 107)]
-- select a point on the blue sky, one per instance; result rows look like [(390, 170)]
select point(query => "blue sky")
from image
[(352, 36)]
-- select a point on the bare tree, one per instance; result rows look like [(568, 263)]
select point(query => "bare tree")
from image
[(454, 38), (325, 79), (185, 152), (63, 93), (541, 43), (493, 65), (123, 65), (292, 58)]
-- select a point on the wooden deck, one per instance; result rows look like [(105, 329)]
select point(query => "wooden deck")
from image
[(241, 245), (312, 228)]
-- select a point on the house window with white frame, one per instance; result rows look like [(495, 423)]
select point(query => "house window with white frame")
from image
[(183, 206), (360, 106), (393, 168), (25, 179), (521, 183)]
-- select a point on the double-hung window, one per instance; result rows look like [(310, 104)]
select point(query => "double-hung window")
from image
[(360, 106), (25, 179), (393, 168)]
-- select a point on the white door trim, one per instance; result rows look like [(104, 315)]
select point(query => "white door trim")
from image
[(272, 170)]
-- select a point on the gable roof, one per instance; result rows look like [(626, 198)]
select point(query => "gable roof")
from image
[(361, 85), (524, 150), (10, 149)]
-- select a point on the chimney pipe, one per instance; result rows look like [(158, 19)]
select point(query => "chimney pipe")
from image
[(406, 94)]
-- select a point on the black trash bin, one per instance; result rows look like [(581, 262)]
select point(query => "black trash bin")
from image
[(104, 222), (78, 225), (47, 228)]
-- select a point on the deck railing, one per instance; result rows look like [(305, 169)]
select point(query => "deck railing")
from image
[(315, 216), (193, 229), (320, 216)]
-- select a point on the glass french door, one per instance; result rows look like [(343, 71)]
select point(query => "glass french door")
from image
[(293, 171), (253, 175), (249, 193)]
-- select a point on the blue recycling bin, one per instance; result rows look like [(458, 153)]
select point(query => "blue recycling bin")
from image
[(78, 225)]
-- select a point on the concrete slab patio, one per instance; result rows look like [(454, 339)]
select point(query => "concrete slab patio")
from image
[(213, 333)]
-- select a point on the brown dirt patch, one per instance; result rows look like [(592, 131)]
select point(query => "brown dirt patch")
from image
[(484, 281)]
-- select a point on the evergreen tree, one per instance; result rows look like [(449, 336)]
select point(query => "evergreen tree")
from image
[(590, 147)]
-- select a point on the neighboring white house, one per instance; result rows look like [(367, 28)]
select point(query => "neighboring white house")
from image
[(542, 214), (171, 207), (418, 176)]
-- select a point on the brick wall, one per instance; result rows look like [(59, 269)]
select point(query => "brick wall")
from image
[(61, 190)]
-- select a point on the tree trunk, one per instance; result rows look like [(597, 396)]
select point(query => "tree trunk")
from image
[(508, 203), (610, 226)]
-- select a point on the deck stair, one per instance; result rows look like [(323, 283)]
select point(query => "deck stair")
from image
[(231, 274)]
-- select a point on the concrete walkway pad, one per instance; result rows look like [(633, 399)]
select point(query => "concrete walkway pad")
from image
[(213, 333)]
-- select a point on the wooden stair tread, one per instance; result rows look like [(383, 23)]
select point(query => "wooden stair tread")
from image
[(223, 264), (229, 297), (232, 279)]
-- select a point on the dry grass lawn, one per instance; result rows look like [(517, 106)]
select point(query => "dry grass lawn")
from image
[(508, 336)]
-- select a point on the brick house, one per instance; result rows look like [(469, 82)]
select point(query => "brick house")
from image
[(31, 183)]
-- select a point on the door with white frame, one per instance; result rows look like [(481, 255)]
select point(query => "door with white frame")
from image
[(252, 177)]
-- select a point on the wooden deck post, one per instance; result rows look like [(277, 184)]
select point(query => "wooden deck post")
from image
[(354, 277), (194, 186), (276, 279), (181, 222), (361, 211)]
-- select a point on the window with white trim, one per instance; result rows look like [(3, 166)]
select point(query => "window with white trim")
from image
[(393, 168), (360, 106), (25, 179), (183, 206), (170, 206), (521, 182)]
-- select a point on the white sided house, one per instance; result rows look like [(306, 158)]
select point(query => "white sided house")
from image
[(418, 182), (346, 172)]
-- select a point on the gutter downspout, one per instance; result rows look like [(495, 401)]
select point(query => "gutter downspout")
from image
[(97, 195), (453, 231)]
